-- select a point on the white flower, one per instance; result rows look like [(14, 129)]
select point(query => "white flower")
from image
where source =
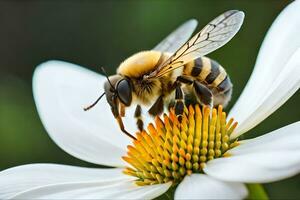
[(61, 89)]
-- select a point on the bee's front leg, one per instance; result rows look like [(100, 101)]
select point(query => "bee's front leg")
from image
[(118, 117), (122, 110), (121, 125)]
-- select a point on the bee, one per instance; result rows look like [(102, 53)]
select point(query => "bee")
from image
[(174, 72)]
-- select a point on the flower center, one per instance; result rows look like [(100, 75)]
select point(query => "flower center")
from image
[(170, 150)]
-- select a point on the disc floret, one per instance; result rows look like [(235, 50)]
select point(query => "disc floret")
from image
[(169, 150)]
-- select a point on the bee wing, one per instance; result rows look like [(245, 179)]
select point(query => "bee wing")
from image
[(177, 38), (213, 36)]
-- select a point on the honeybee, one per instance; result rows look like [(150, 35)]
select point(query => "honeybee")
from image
[(174, 71)]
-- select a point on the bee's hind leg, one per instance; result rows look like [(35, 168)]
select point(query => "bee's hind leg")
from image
[(204, 95)]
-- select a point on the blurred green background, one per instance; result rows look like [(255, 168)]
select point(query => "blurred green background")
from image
[(103, 33)]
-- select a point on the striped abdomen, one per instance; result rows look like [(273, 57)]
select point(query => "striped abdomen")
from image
[(213, 75)]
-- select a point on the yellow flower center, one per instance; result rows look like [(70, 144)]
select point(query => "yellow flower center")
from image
[(170, 150)]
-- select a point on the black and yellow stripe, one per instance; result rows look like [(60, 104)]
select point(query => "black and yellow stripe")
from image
[(209, 72)]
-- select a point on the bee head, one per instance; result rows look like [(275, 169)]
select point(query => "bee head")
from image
[(118, 89)]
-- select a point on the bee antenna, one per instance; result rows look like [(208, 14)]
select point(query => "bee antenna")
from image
[(92, 105), (105, 74)]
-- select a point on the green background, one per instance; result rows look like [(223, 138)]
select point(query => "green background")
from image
[(103, 33)]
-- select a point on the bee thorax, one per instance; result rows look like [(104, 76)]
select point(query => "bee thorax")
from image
[(146, 91)]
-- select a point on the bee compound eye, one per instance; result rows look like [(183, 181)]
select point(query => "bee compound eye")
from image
[(124, 92)]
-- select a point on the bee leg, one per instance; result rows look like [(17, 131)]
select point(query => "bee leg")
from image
[(138, 116), (158, 107), (115, 111), (121, 125), (203, 94), (179, 105), (122, 110), (185, 79)]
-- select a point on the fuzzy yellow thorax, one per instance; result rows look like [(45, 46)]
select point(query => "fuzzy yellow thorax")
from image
[(169, 150)]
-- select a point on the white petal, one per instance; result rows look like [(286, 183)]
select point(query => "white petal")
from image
[(201, 186), (26, 177), (276, 74), (286, 138), (96, 190), (255, 168), (61, 90), (49, 181), (286, 84), (271, 157)]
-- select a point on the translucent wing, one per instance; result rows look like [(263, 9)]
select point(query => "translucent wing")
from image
[(177, 38), (214, 35)]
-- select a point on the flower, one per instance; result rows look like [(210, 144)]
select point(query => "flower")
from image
[(170, 150), (60, 89)]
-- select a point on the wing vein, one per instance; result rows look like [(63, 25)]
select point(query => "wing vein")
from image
[(213, 36)]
